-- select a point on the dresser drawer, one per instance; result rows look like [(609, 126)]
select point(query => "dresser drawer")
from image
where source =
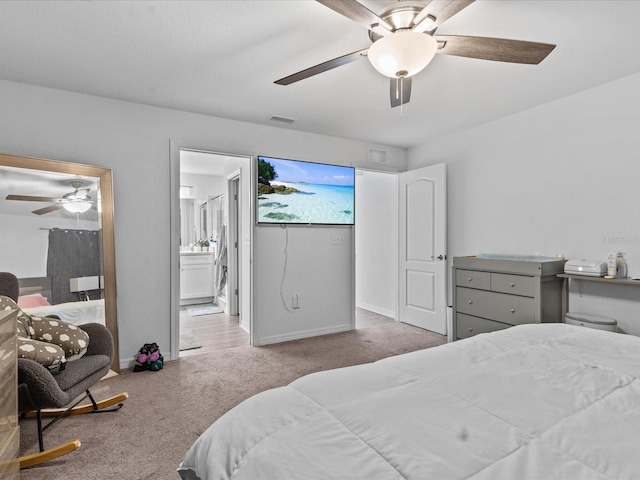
[(513, 284), (8, 358), (500, 307), (8, 407), (473, 279), (9, 429), (7, 328), (468, 326), (9, 453), (196, 259)]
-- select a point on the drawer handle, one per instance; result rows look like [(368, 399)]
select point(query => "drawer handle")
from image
[(470, 330), (470, 302), (513, 310), (512, 284), (470, 279)]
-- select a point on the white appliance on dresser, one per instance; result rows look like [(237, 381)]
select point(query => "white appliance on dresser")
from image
[(491, 294)]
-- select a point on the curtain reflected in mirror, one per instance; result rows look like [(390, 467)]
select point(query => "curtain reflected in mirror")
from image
[(74, 264), (57, 222)]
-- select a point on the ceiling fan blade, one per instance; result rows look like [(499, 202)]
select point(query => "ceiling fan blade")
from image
[(400, 91), (357, 12), (497, 49), (441, 11), (49, 209), (30, 198), (322, 67)]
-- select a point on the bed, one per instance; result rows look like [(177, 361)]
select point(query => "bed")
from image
[(543, 401), (77, 313), (35, 297)]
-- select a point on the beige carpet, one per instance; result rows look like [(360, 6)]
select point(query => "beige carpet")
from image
[(167, 410)]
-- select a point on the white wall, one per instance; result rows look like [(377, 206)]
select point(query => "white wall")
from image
[(134, 141), (204, 186), (24, 242), (320, 273), (242, 165), (560, 178), (376, 234)]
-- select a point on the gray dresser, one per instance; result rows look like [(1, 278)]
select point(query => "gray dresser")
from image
[(9, 429), (491, 294)]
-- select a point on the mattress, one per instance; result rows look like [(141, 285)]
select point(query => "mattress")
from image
[(77, 313), (549, 401)]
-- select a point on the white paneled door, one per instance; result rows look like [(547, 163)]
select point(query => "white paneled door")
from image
[(422, 237)]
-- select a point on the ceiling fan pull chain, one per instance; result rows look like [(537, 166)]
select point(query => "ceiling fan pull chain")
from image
[(401, 82)]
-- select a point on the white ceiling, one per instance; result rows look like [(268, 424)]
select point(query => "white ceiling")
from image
[(201, 163), (221, 58), (36, 183)]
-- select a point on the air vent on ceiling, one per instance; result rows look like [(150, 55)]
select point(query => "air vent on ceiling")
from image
[(375, 155), (281, 120)]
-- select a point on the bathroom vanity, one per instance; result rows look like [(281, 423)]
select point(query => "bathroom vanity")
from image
[(196, 277)]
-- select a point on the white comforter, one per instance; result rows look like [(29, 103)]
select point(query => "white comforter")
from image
[(77, 313), (544, 402)]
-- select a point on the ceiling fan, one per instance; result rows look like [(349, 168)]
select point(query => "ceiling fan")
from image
[(404, 42), (77, 201)]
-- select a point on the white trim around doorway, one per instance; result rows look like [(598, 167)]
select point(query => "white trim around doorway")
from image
[(246, 283)]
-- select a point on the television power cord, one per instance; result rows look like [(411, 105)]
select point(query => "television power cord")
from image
[(284, 270)]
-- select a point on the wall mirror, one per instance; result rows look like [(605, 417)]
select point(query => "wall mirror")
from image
[(58, 239), (200, 221), (188, 233)]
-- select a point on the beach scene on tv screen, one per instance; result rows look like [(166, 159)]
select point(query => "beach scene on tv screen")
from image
[(291, 191)]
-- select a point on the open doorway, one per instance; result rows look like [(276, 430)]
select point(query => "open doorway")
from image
[(376, 233), (211, 286), (401, 247)]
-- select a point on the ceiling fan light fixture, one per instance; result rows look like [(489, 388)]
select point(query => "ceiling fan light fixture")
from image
[(77, 206), (404, 53), (424, 24)]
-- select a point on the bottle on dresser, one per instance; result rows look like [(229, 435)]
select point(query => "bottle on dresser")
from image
[(621, 266)]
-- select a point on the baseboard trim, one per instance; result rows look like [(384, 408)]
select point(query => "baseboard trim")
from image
[(376, 309), (127, 364), (304, 334), (196, 301)]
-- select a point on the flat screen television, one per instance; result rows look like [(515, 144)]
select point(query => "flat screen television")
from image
[(306, 193)]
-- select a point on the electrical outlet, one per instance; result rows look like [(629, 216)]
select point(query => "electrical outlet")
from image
[(336, 239), (295, 302)]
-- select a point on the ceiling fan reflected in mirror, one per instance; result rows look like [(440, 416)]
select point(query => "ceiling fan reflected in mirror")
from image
[(404, 42), (77, 201)]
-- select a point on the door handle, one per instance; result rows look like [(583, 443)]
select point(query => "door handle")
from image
[(441, 257)]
